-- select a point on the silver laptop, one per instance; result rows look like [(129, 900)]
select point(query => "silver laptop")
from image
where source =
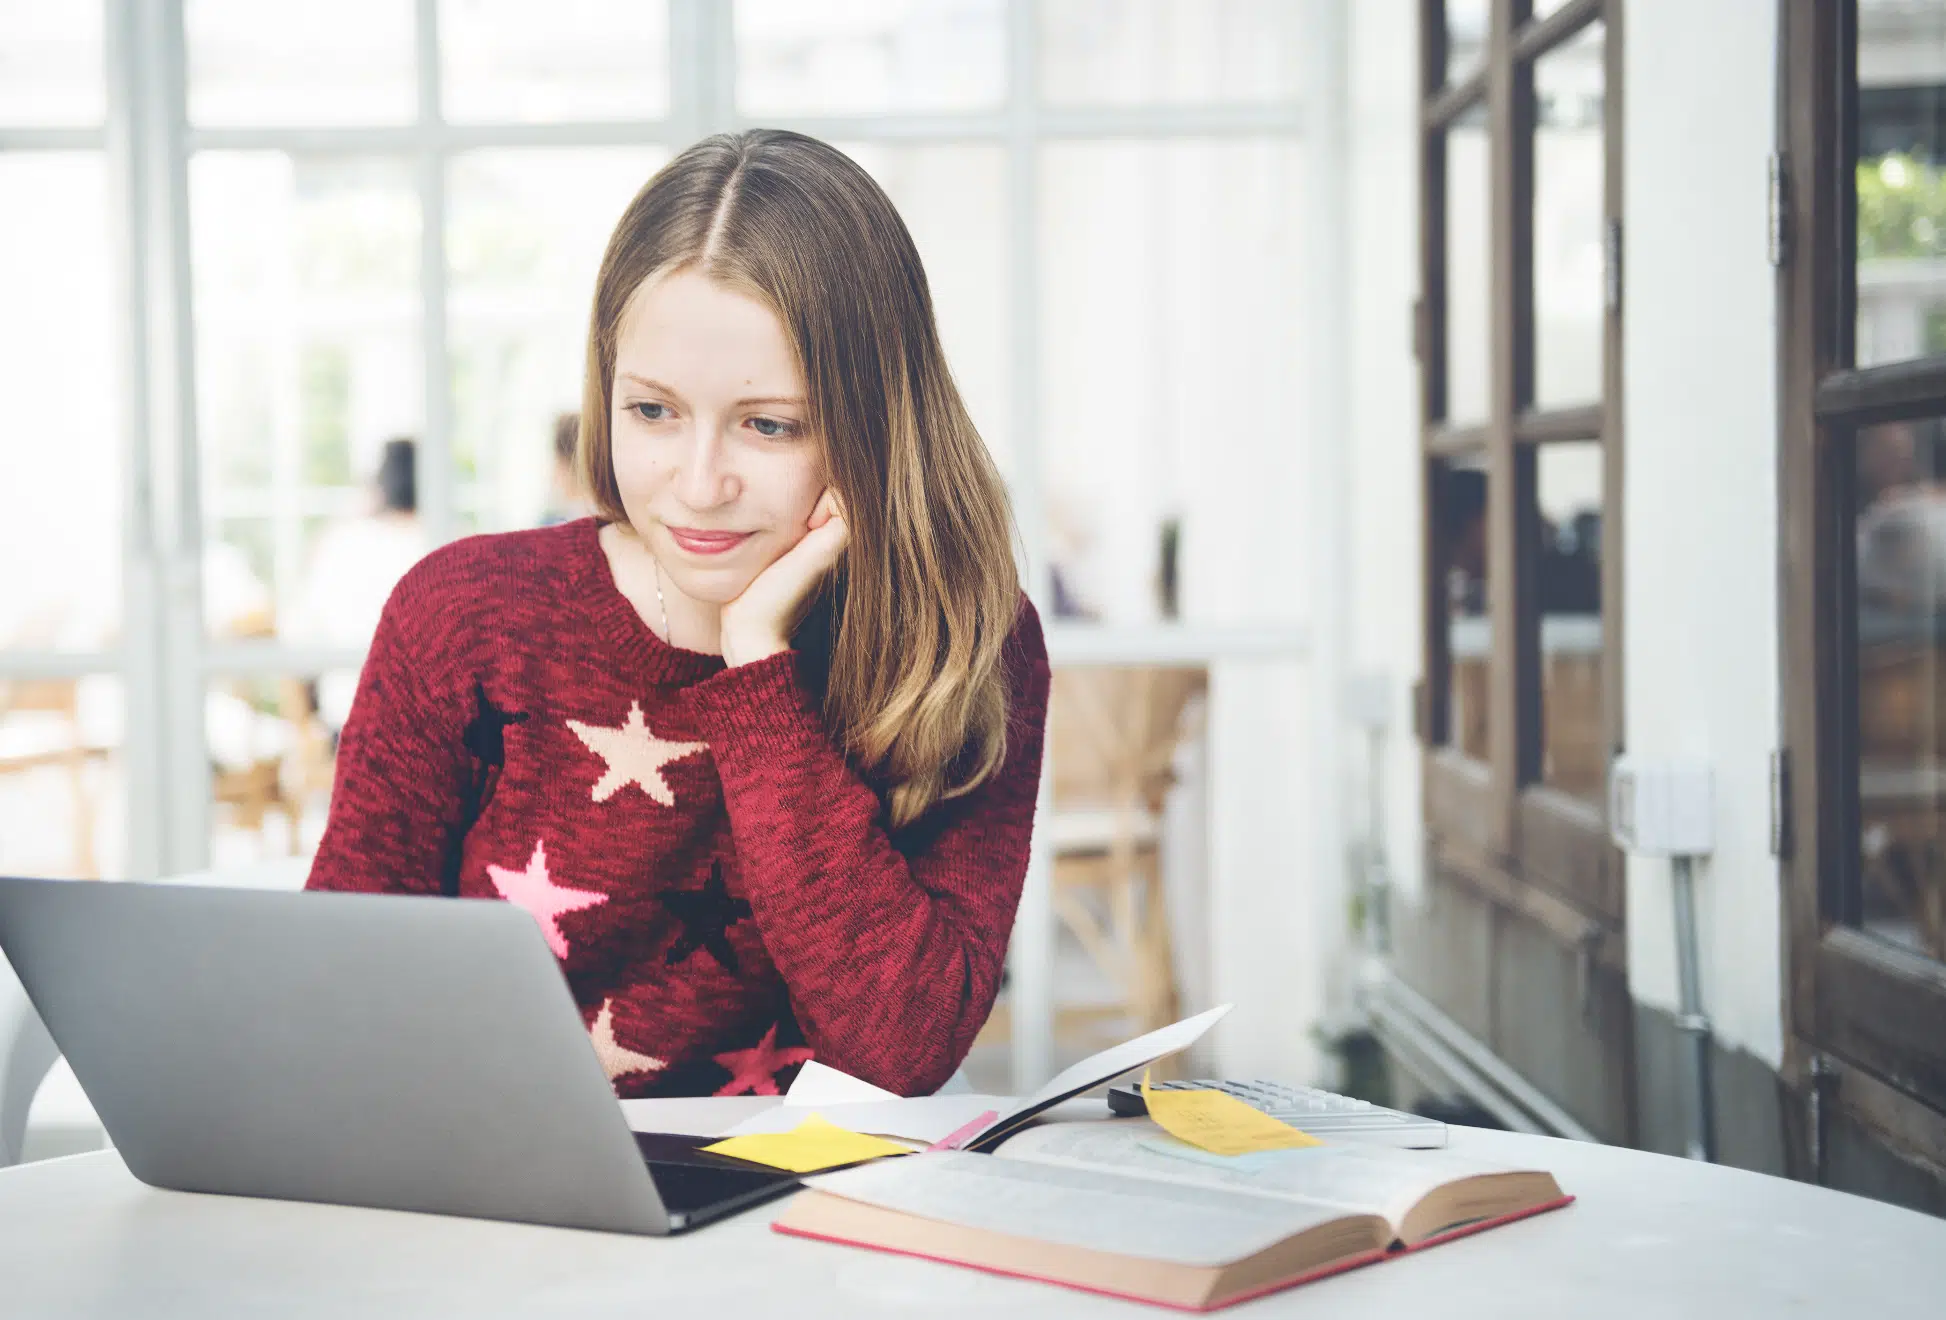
[(405, 1053)]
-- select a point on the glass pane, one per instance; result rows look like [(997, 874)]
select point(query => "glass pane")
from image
[(1568, 242), (869, 55), (271, 759), (1466, 38), (51, 63), (308, 363), (1901, 190), (60, 427), (1119, 52), (1460, 523), (953, 201), (348, 62), (1468, 249), (1574, 748), (512, 61), (1170, 277), (525, 233), (62, 789), (1900, 495)]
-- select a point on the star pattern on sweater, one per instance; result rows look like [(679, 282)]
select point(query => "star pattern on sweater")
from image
[(535, 890), (634, 756), (617, 1060), (706, 915), (486, 732), (755, 1069)]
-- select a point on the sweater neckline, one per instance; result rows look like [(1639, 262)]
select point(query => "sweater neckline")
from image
[(618, 623)]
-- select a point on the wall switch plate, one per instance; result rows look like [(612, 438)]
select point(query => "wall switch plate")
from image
[(1662, 808)]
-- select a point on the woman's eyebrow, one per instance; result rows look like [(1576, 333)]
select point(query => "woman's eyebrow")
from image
[(647, 383)]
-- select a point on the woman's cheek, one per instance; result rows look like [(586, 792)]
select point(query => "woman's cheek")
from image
[(634, 470)]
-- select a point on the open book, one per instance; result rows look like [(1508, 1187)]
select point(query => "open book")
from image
[(1122, 1208), (981, 1121)]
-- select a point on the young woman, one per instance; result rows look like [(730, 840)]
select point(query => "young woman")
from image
[(758, 743)]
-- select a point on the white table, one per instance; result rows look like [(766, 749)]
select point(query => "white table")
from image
[(1651, 1237)]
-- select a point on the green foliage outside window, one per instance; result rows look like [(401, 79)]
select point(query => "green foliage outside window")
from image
[(324, 393), (1901, 209)]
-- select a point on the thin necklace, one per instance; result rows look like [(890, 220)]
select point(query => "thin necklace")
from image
[(661, 603)]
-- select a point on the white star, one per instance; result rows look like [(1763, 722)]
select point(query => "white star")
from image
[(634, 756), (616, 1059)]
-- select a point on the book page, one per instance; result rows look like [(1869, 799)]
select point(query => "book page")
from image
[(1370, 1179), (1096, 1069), (1076, 1207)]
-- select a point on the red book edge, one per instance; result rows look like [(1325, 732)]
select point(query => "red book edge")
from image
[(1339, 1267), (1324, 1271)]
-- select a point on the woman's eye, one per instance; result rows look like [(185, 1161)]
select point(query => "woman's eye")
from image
[(639, 410), (782, 428)]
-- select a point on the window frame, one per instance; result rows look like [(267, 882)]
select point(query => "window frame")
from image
[(1865, 1018), (164, 658), (1495, 823)]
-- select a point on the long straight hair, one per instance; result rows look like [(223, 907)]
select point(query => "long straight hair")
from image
[(905, 638)]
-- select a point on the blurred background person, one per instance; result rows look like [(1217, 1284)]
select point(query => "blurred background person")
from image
[(352, 571), (1901, 502), (566, 499)]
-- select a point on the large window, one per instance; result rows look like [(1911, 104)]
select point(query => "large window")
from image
[(1862, 246), (277, 277), (1519, 349), (62, 471), (1520, 939)]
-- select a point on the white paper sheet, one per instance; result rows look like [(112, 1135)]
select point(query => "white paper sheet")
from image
[(926, 1118), (818, 1084), (1112, 1063)]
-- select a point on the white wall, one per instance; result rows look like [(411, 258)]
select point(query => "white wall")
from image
[(1382, 435), (1277, 915), (1700, 500), (1700, 584)]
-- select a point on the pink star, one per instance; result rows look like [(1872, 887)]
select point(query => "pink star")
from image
[(535, 891), (755, 1069)]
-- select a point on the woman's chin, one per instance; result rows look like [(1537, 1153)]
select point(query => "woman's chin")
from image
[(712, 586)]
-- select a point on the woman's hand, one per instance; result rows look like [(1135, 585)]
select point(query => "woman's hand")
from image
[(758, 623)]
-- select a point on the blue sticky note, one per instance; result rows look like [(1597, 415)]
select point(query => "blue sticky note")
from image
[(1252, 1163)]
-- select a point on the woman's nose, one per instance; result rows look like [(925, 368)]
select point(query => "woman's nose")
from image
[(706, 479)]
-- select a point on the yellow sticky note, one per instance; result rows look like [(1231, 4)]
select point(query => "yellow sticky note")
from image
[(812, 1145), (1219, 1123)]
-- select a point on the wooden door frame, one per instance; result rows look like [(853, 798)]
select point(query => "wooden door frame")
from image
[(1866, 1020), (1523, 843)]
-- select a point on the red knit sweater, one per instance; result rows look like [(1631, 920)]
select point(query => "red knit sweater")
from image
[(716, 878)]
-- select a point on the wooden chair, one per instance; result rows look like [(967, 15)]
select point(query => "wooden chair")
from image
[(1113, 734), (282, 783), (1902, 758), (1574, 748), (68, 748)]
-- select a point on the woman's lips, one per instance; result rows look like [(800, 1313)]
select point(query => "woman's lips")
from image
[(698, 542)]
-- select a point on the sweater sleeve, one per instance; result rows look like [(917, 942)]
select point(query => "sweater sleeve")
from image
[(400, 791), (891, 951)]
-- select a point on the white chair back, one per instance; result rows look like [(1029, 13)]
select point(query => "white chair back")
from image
[(26, 1054)]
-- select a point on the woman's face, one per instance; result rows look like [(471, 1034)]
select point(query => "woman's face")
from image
[(714, 458)]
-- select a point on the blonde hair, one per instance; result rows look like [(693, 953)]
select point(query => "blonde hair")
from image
[(905, 639)]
